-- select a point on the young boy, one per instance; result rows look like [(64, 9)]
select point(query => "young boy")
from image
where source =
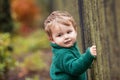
[(67, 62)]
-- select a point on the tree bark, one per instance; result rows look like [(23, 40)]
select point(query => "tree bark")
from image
[(94, 31), (99, 22), (5, 17), (112, 13)]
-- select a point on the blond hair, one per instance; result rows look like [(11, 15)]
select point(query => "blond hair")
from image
[(61, 17)]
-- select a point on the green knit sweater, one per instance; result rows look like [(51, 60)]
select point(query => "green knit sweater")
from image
[(69, 63)]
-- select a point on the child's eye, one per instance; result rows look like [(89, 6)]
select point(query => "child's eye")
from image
[(69, 32), (59, 35)]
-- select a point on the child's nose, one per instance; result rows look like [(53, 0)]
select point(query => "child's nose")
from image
[(66, 36)]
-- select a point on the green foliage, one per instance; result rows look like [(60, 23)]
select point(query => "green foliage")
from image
[(35, 62), (39, 40), (6, 61), (36, 41), (36, 77), (29, 53), (30, 50), (4, 39)]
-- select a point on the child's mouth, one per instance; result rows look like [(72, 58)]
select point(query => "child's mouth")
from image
[(68, 42)]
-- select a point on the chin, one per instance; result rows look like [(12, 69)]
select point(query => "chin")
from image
[(69, 45)]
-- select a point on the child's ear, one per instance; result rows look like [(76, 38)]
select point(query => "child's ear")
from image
[(51, 40)]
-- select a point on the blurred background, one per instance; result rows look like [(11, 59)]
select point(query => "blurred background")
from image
[(25, 53), (24, 48)]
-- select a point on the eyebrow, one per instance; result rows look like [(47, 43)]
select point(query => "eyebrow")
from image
[(59, 33), (66, 23)]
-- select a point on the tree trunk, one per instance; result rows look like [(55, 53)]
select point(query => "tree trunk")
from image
[(5, 17), (99, 24), (112, 13)]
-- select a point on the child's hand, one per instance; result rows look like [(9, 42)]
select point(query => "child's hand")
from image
[(93, 50)]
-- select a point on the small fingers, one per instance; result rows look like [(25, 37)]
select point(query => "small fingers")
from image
[(93, 50)]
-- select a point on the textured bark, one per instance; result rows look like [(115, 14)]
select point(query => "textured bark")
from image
[(112, 13), (100, 20), (94, 32)]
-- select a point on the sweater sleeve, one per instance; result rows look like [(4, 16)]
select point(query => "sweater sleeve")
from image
[(75, 66)]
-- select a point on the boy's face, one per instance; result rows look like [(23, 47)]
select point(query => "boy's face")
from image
[(63, 35)]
